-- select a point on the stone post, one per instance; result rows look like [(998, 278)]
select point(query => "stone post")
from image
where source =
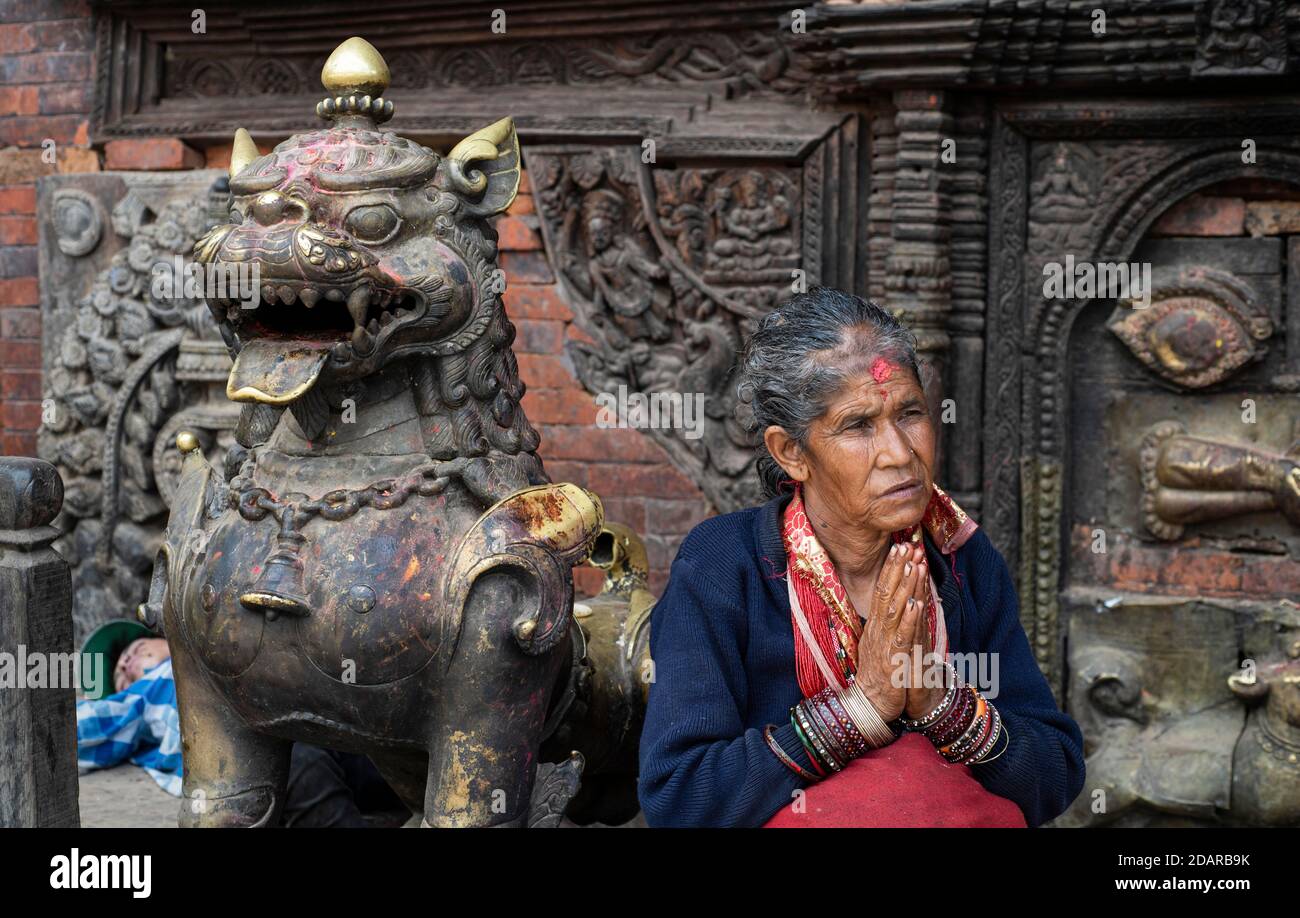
[(38, 723)]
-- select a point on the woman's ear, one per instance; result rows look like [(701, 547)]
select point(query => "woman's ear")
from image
[(787, 453)]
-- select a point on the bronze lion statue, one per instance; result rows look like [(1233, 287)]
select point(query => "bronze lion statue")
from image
[(381, 565)]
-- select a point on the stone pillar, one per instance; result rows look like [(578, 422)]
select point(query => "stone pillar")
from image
[(38, 725), (918, 269)]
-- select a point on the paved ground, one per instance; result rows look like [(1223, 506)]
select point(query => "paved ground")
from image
[(125, 797)]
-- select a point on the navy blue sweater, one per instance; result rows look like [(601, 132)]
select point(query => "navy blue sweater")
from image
[(723, 648)]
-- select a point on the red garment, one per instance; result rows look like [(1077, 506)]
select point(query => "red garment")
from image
[(906, 784)]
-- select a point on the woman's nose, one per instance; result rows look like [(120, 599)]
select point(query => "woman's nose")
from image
[(894, 449)]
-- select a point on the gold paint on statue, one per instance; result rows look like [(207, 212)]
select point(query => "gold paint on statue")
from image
[(242, 152), (355, 66)]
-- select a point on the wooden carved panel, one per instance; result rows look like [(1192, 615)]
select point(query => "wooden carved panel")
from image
[(1141, 463), (617, 69), (125, 367), (669, 266)]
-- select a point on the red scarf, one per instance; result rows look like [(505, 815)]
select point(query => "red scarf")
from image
[(827, 609)]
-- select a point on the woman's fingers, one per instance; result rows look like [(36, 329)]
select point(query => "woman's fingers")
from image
[(890, 576), (914, 627), (905, 588), (905, 636), (922, 589)]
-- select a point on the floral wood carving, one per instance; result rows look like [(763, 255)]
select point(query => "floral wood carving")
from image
[(124, 367)]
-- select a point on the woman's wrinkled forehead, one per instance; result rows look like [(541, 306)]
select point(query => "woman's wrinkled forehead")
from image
[(877, 385), (873, 382)]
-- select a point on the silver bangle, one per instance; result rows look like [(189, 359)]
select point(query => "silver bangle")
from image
[(865, 716), (962, 747), (1002, 728), (994, 732)]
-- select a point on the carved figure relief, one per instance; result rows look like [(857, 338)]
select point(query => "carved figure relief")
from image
[(1240, 37), (624, 284), (668, 268), (1063, 191)]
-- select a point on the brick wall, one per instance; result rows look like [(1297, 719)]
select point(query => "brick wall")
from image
[(632, 474), (45, 94)]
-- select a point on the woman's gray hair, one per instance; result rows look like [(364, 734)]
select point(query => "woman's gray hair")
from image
[(800, 355)]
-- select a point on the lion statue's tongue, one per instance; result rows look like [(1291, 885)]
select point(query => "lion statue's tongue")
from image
[(276, 372)]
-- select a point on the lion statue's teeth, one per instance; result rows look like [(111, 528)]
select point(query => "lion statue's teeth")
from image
[(358, 303)]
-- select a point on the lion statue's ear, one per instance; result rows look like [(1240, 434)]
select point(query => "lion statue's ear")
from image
[(484, 168)]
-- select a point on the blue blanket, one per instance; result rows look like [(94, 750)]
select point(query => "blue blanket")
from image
[(139, 725)]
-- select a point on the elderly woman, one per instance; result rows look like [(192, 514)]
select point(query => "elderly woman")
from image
[(804, 649)]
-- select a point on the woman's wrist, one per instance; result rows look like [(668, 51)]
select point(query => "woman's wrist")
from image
[(965, 727), (925, 701), (866, 716), (837, 726), (937, 711), (773, 735)]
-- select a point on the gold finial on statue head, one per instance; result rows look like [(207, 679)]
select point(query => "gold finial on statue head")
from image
[(355, 74), (355, 66)]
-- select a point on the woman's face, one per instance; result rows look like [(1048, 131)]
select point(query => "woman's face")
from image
[(869, 457)]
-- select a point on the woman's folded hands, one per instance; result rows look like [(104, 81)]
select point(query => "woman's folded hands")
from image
[(890, 672)]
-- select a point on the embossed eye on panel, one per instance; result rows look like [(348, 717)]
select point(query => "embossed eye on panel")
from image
[(1200, 326)]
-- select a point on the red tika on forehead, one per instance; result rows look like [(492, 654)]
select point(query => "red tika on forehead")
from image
[(882, 369)]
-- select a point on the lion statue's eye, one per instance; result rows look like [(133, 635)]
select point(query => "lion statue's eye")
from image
[(373, 223)]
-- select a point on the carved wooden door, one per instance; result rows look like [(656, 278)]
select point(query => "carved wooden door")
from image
[(1152, 477)]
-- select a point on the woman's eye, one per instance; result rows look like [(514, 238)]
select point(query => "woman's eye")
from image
[(373, 223)]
